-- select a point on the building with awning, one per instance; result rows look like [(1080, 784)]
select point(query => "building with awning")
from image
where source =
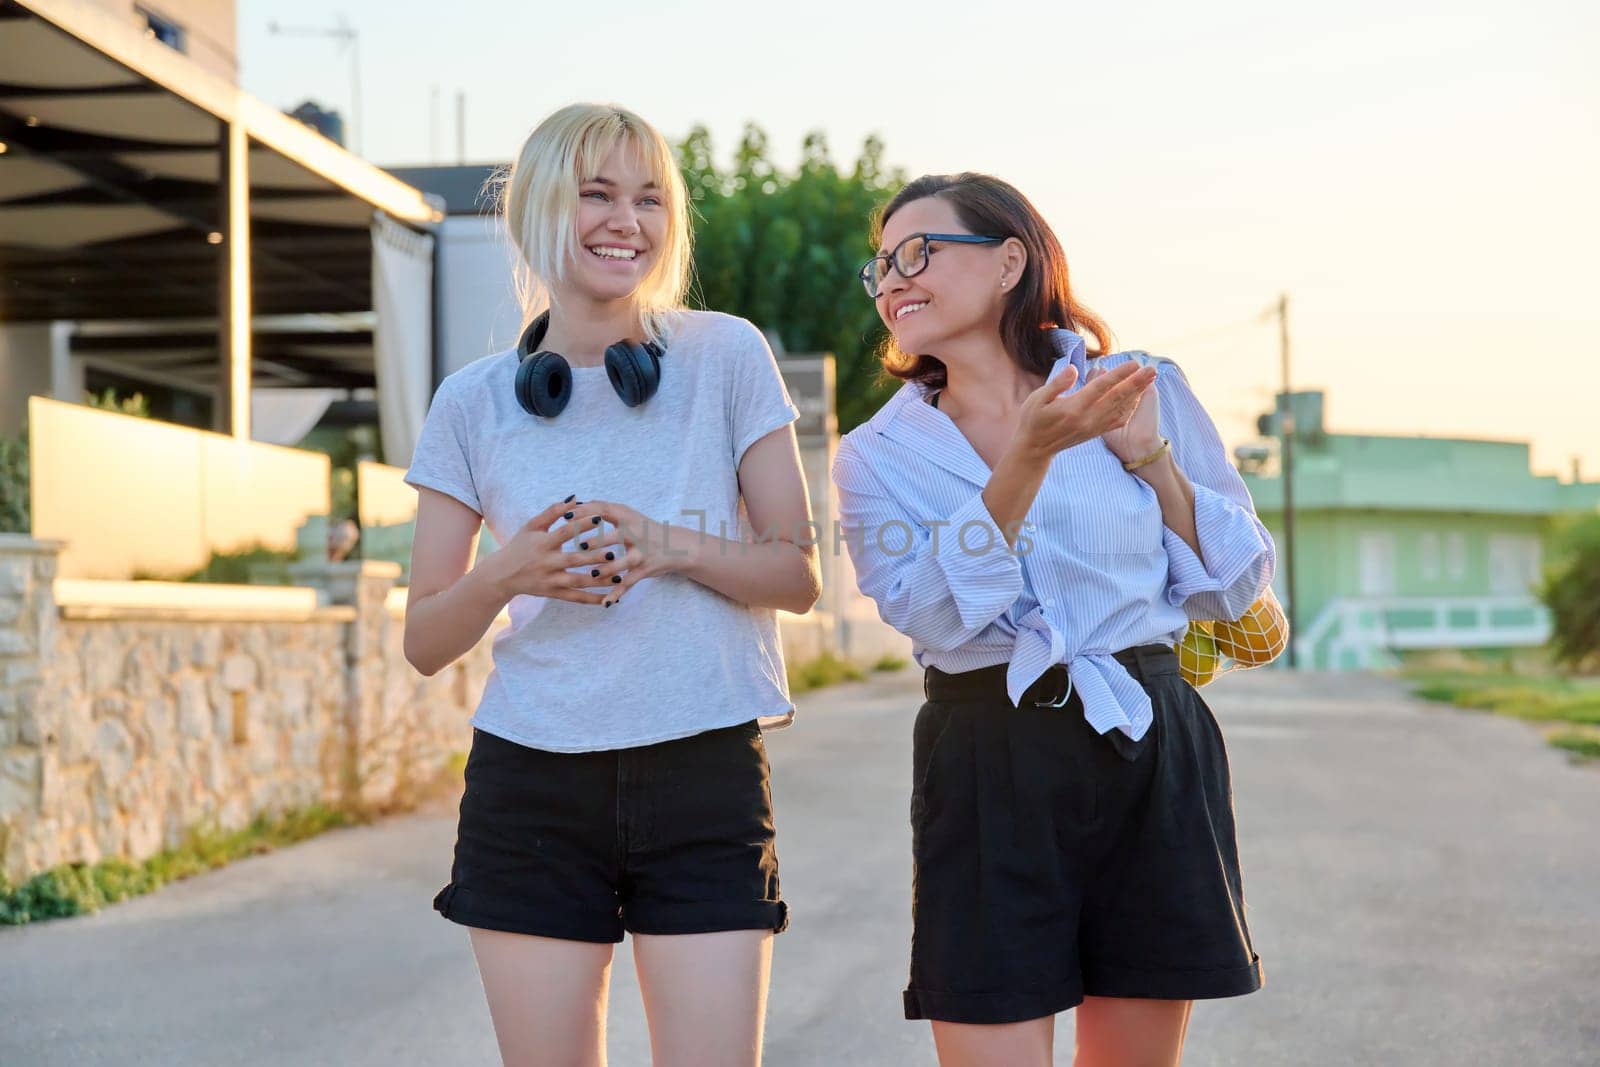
[(159, 225)]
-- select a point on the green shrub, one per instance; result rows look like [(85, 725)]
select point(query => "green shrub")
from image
[(14, 506), (1539, 699), (345, 447), (78, 888), (1584, 747), (1572, 593), (825, 670), (233, 568), (1534, 699), (136, 405), (230, 568)]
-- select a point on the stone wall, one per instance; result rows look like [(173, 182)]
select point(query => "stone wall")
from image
[(131, 713), (121, 728), (27, 626)]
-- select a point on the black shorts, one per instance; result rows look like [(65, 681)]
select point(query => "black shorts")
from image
[(1052, 862), (671, 838)]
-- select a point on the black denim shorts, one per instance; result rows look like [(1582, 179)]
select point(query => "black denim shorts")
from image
[(1054, 863), (671, 838)]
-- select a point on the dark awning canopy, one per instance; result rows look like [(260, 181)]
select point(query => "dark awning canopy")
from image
[(291, 351), (113, 184)]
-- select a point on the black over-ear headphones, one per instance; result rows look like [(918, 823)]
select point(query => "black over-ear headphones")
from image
[(544, 380)]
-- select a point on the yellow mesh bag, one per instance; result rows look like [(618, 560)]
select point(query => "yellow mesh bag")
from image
[(1257, 637)]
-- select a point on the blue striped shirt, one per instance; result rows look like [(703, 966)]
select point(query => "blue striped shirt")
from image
[(1094, 571)]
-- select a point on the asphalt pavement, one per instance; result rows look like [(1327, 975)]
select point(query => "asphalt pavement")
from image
[(1423, 885)]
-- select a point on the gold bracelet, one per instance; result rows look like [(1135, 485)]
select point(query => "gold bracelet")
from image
[(1166, 446)]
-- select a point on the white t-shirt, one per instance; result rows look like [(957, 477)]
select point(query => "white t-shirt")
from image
[(673, 657)]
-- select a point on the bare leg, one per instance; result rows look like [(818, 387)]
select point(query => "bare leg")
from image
[(1024, 1044), (547, 997), (1130, 1032), (705, 996)]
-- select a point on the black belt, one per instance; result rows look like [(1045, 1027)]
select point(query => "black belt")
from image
[(1053, 688)]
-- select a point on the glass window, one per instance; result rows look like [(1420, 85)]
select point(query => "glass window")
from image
[(165, 30), (1429, 557), (1455, 556)]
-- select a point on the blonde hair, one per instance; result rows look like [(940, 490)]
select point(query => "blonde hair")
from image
[(538, 199)]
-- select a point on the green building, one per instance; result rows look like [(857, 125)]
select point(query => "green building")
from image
[(1407, 544)]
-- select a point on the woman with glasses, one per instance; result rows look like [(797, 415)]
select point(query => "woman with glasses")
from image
[(617, 779), (1042, 520)]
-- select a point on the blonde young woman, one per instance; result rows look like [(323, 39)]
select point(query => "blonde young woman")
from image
[(617, 779)]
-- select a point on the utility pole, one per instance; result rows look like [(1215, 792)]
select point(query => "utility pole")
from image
[(433, 125), (345, 34), (1286, 468), (461, 127)]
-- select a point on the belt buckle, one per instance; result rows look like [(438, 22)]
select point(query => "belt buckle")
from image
[(1061, 701)]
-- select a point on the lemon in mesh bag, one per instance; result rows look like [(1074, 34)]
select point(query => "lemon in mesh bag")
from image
[(1198, 658), (1257, 637)]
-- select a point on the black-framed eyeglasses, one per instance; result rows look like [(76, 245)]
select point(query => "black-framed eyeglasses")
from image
[(910, 257)]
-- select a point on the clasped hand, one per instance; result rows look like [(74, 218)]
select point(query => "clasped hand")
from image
[(614, 547)]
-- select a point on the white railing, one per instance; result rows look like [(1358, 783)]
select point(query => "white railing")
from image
[(1360, 633)]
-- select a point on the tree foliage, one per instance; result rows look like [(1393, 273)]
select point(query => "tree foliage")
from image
[(1572, 593), (136, 405), (782, 250), (15, 501), (15, 498)]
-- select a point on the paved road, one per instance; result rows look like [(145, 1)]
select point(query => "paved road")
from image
[(1424, 887)]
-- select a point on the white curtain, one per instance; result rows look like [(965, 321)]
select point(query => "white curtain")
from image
[(285, 416), (402, 338)]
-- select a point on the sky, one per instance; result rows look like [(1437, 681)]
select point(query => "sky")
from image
[(1422, 180)]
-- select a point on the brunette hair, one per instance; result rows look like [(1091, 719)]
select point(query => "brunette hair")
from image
[(1042, 297)]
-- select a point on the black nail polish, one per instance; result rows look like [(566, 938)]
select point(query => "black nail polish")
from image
[(611, 555), (595, 573), (584, 545), (570, 499), (595, 520), (568, 515), (616, 577), (607, 603)]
